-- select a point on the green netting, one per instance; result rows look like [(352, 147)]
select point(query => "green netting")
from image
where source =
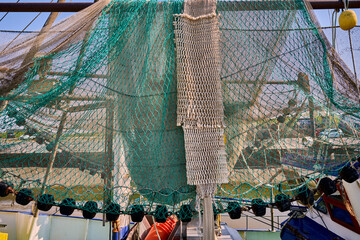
[(96, 121)]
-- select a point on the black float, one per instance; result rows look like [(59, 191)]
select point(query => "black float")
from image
[(161, 213), (137, 213), (39, 140), (91, 210), (45, 202), (24, 197), (20, 121), (305, 196), (112, 212), (67, 206), (50, 147), (282, 202), (12, 113), (259, 207), (234, 210), (349, 174), (5, 189), (327, 186), (185, 214)]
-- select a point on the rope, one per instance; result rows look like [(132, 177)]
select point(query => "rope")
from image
[(157, 232), (353, 60), (333, 27)]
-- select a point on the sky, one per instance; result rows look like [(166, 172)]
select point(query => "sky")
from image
[(17, 21)]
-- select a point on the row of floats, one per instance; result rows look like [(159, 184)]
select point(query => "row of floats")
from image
[(112, 211)]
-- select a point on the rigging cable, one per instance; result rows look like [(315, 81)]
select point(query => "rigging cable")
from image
[(7, 12), (22, 31), (353, 59), (333, 25), (346, 6)]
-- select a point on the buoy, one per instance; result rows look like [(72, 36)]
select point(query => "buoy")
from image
[(67, 206), (12, 113), (92, 171), (31, 131), (185, 213), (137, 213), (347, 20), (292, 102), (349, 174), (112, 212), (24, 197), (327, 186), (50, 146), (282, 202), (5, 189), (39, 140), (161, 214), (90, 209), (259, 207), (20, 121), (248, 150), (45, 202), (234, 210), (281, 119), (306, 196)]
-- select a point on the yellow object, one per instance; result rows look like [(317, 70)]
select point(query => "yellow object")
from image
[(347, 20), (224, 139), (3, 236)]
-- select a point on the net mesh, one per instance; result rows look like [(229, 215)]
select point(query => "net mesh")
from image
[(93, 116)]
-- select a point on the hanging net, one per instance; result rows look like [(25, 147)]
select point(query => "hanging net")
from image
[(105, 105)]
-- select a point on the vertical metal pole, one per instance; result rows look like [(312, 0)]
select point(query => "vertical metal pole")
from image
[(247, 222), (108, 154), (304, 84), (272, 210)]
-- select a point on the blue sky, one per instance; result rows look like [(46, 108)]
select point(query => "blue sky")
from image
[(17, 21)]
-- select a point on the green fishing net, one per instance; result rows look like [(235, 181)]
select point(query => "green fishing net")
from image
[(96, 120)]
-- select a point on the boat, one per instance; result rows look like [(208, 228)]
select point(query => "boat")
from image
[(131, 117)]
